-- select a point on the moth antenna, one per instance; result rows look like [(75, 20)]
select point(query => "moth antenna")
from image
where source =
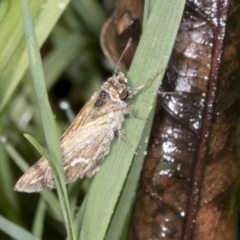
[(134, 91), (120, 59), (160, 92), (155, 93), (153, 77)]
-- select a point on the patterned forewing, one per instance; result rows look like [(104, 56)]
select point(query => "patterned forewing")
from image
[(33, 179), (83, 146), (88, 147), (82, 153)]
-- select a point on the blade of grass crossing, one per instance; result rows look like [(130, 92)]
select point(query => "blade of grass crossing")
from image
[(8, 198), (49, 126), (14, 230), (6, 181), (127, 197), (46, 13), (48, 196), (120, 220), (38, 221), (152, 54)]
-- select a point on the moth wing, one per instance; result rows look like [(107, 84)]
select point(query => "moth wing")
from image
[(82, 153), (86, 114), (90, 112), (33, 179), (88, 148), (83, 145)]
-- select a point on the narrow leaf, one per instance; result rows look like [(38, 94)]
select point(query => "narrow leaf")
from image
[(14, 230), (49, 126), (157, 40)]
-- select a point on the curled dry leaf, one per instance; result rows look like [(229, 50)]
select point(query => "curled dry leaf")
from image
[(189, 177), (125, 23)]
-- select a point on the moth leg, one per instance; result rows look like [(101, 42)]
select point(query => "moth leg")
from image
[(139, 117), (135, 115), (121, 134)]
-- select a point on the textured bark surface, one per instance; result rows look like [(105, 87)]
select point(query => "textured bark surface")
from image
[(188, 183)]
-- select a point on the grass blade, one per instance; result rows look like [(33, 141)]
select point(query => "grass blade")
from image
[(84, 7), (14, 230), (157, 41), (8, 197), (50, 132), (127, 197), (47, 195), (38, 221), (12, 45)]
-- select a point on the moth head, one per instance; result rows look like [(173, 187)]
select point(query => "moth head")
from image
[(122, 90), (117, 85)]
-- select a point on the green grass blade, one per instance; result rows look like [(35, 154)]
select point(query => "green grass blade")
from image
[(3, 9), (53, 205), (75, 190), (80, 216), (152, 54), (14, 230), (37, 146), (123, 208), (8, 198), (38, 221), (47, 195), (11, 151), (95, 22), (127, 197), (49, 127), (12, 44), (6, 181)]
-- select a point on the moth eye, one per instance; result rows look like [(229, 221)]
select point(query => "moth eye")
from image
[(123, 95)]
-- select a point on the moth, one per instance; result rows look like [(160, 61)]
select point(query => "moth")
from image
[(87, 141)]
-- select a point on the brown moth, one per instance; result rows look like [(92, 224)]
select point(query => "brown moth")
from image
[(88, 139)]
